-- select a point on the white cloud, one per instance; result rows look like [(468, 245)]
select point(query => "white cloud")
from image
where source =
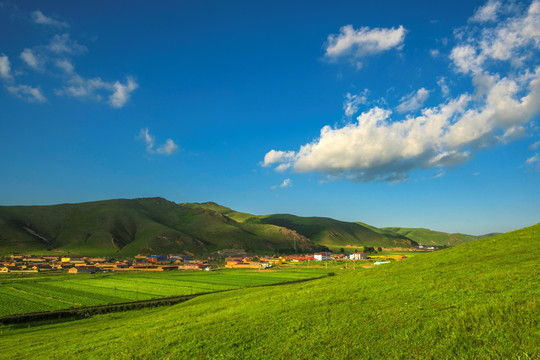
[(445, 90), (285, 184), (274, 156), (488, 12), (5, 67), (534, 146), (27, 93), (512, 40), (380, 147), (168, 148), (148, 139), (39, 18), (82, 88), (534, 161), (55, 60), (122, 92), (95, 88), (413, 101), (357, 44), (353, 102), (31, 59), (63, 44), (439, 174), (65, 65)]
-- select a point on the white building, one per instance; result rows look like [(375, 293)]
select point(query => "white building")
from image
[(322, 256), (358, 256)]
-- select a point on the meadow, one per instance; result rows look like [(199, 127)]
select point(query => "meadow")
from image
[(476, 301), (23, 293)]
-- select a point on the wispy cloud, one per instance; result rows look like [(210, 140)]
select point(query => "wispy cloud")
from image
[(488, 12), (31, 59), (168, 148), (122, 92), (63, 44), (534, 161), (353, 101), (5, 67), (383, 147), (28, 93), (534, 146), (445, 90), (285, 184), (55, 60), (413, 101), (357, 44), (40, 18)]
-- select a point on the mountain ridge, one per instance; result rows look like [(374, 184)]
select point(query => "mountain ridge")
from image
[(126, 227)]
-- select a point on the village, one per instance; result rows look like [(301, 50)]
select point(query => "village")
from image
[(224, 259)]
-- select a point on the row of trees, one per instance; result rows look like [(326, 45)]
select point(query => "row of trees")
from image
[(366, 249)]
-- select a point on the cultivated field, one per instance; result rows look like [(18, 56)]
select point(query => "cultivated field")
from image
[(38, 292)]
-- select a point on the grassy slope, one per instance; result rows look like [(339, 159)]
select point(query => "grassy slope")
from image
[(330, 232), (127, 227), (431, 237), (477, 301), (235, 215)]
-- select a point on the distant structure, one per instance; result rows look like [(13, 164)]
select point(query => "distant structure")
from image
[(322, 256), (358, 256)]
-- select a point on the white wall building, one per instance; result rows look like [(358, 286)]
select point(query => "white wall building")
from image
[(358, 256), (322, 256)]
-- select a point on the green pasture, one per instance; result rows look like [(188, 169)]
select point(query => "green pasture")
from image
[(43, 292)]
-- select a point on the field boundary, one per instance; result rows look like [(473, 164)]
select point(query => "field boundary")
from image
[(87, 311)]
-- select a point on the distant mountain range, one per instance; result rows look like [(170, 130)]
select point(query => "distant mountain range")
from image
[(125, 227)]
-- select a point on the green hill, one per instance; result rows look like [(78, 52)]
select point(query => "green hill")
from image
[(128, 227), (431, 237), (334, 233), (480, 300)]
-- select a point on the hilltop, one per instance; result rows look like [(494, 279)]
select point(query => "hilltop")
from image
[(476, 301)]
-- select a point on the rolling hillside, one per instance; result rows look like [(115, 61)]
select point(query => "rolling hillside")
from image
[(330, 232), (321, 230), (431, 237), (128, 227), (476, 301), (125, 227)]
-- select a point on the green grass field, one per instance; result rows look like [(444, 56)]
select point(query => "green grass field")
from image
[(476, 301), (37, 292)]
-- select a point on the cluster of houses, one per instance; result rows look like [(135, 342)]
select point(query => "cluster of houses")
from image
[(266, 262), (22, 263)]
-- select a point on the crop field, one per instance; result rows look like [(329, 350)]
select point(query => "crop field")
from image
[(38, 292)]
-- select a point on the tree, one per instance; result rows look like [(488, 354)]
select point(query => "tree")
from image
[(342, 250), (369, 249)]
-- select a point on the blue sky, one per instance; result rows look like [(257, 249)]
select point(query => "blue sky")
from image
[(413, 114)]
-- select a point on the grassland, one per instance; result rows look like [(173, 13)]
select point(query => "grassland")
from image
[(37, 292), (476, 301), (431, 237)]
